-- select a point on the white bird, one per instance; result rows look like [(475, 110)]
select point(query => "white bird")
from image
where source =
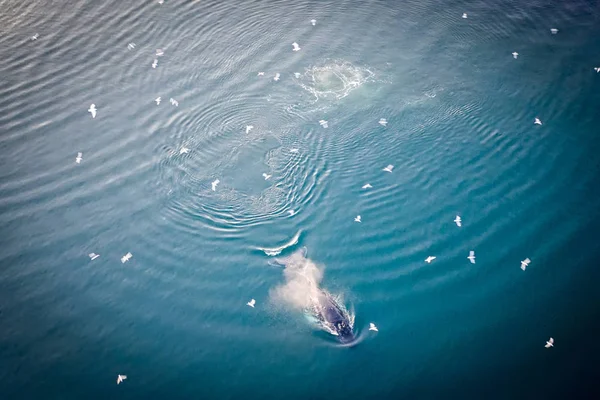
[(357, 219), (515, 54), (383, 122), (458, 221), (93, 256), (296, 47), (92, 110), (251, 303), (260, 74), (184, 150), (367, 186), (297, 74), (121, 378), (537, 121), (597, 69), (155, 63), (276, 78), (472, 257), (294, 150), (266, 176), (554, 31), (525, 263), (389, 168), (313, 22), (214, 184), (34, 37), (79, 158), (131, 46), (249, 128), (292, 212), (157, 100), (549, 343), (174, 102), (161, 2), (323, 123), (464, 15), (126, 258), (372, 327), (429, 259), (159, 53)]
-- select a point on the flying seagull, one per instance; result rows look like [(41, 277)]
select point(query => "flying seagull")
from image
[(323, 123), (465, 15), (121, 378), (159, 53), (126, 257), (155, 63), (357, 219), (251, 303), (249, 128), (367, 186), (297, 74), (389, 168), (472, 257), (525, 263), (549, 343), (174, 102), (458, 221), (92, 110), (214, 184), (266, 176), (313, 22), (296, 47), (429, 259), (34, 37), (537, 121), (372, 327), (78, 158), (292, 212), (184, 150), (93, 256), (276, 78), (383, 122), (597, 69), (131, 46), (554, 31), (157, 100), (515, 54), (260, 74)]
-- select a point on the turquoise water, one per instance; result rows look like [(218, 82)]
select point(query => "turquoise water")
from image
[(460, 134)]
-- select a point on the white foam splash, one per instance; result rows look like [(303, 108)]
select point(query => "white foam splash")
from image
[(277, 250)]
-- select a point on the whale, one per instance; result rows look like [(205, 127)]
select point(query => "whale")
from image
[(302, 291)]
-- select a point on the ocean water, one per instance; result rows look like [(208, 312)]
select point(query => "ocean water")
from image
[(460, 133)]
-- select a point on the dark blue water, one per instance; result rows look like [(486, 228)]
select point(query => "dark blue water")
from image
[(460, 133)]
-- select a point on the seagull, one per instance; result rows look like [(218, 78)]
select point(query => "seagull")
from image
[(525, 263), (214, 184), (465, 15), (383, 122), (121, 378), (372, 327), (292, 212), (79, 158), (323, 123), (367, 186), (159, 53), (161, 2), (174, 102), (294, 150), (537, 121), (554, 31), (549, 343), (155, 63), (313, 22), (472, 257), (131, 46), (249, 128), (260, 74), (251, 303), (389, 168), (357, 218), (126, 257), (92, 110), (429, 259), (597, 69), (93, 256), (515, 54), (266, 176), (296, 47), (157, 100), (276, 78), (34, 37), (297, 74), (184, 150), (458, 221)]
